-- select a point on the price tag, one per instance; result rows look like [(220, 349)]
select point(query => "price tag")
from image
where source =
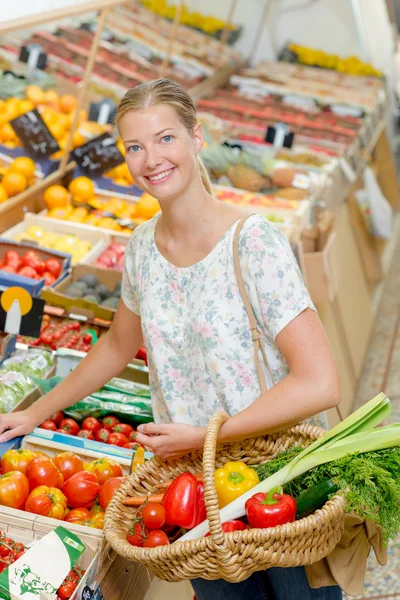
[(301, 181), (303, 102), (347, 169), (20, 314), (34, 134), (345, 110), (98, 155)]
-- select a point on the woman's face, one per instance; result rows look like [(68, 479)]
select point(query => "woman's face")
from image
[(160, 152)]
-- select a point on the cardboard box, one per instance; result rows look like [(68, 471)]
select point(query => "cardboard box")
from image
[(102, 247), (321, 271), (56, 296), (94, 237)]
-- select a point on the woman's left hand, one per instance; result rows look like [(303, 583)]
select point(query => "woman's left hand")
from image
[(171, 440)]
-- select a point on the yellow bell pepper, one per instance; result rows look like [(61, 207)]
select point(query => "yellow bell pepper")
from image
[(232, 480), (138, 459)]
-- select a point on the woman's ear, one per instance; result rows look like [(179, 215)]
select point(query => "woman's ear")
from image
[(198, 137)]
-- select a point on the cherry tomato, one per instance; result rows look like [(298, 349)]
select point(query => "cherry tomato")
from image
[(87, 338), (117, 439), (132, 437), (66, 590), (9, 269), (123, 428), (40, 267), (153, 515), (136, 534), (156, 538), (91, 424), (49, 425), (64, 431), (109, 422), (102, 435), (53, 266), (70, 425), (57, 418), (131, 445), (27, 272), (87, 435)]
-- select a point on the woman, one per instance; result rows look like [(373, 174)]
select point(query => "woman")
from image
[(180, 295)]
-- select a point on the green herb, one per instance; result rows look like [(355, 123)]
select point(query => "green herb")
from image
[(370, 482)]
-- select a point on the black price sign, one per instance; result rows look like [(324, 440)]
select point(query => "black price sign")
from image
[(98, 155), (34, 134)]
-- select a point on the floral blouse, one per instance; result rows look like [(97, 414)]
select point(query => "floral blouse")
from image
[(195, 326)]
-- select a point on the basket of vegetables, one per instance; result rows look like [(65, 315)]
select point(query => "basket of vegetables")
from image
[(230, 510)]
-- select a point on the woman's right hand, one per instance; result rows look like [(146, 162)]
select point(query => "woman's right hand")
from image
[(15, 424)]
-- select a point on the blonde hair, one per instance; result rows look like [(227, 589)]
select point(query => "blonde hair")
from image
[(164, 91)]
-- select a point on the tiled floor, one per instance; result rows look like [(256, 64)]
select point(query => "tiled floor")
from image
[(382, 374)]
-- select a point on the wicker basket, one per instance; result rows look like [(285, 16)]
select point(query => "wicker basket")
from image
[(232, 556)]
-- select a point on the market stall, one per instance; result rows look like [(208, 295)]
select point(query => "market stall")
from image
[(304, 146)]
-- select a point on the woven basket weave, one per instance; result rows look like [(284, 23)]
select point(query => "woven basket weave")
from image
[(231, 556)]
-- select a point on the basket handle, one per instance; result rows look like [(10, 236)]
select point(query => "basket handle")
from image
[(210, 493)]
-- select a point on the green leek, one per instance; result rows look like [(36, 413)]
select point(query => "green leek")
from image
[(356, 434)]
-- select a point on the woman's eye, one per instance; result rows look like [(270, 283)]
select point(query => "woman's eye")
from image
[(167, 138), (133, 148)]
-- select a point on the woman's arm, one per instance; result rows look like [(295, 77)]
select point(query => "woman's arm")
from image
[(104, 361), (311, 386)]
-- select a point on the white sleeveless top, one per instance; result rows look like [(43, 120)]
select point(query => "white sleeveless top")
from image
[(195, 326)]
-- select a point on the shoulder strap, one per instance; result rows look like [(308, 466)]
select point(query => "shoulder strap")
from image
[(255, 333)]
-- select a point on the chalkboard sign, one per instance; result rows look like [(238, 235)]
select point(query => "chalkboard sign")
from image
[(34, 134), (98, 155)]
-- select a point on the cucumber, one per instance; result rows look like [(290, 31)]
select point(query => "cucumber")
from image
[(315, 497)]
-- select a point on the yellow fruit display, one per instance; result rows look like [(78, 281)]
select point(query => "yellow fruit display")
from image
[(351, 65), (68, 243)]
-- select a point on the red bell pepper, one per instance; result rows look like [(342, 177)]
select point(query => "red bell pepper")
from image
[(271, 509), (229, 526), (184, 502)]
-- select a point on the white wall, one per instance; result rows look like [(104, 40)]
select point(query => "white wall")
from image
[(14, 9)]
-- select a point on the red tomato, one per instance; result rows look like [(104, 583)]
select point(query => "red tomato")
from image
[(40, 267), (124, 429), (49, 425), (136, 534), (77, 515), (30, 259), (81, 489), (66, 590), (42, 471), (109, 422), (108, 489), (47, 501), (87, 338), (91, 424), (57, 417), (84, 433), (117, 439), (70, 425), (102, 435), (153, 515), (104, 468), (9, 269), (16, 460), (12, 257), (27, 272), (14, 489), (132, 437), (49, 279), (53, 267), (64, 431), (156, 538), (132, 445), (68, 463)]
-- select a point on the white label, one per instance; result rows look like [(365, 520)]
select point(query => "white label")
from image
[(301, 181), (345, 110), (347, 169), (39, 363), (300, 101)]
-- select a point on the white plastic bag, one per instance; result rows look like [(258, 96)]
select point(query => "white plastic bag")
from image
[(380, 210)]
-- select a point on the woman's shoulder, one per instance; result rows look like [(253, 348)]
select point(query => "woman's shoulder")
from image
[(259, 234), (142, 234)]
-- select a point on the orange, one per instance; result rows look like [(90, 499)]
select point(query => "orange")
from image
[(35, 94), (81, 188), (60, 213), (3, 106), (25, 106), (109, 223), (147, 206), (7, 133), (14, 183), (56, 196), (67, 103), (50, 96), (57, 130), (121, 181), (3, 194), (24, 165), (78, 139), (12, 107)]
